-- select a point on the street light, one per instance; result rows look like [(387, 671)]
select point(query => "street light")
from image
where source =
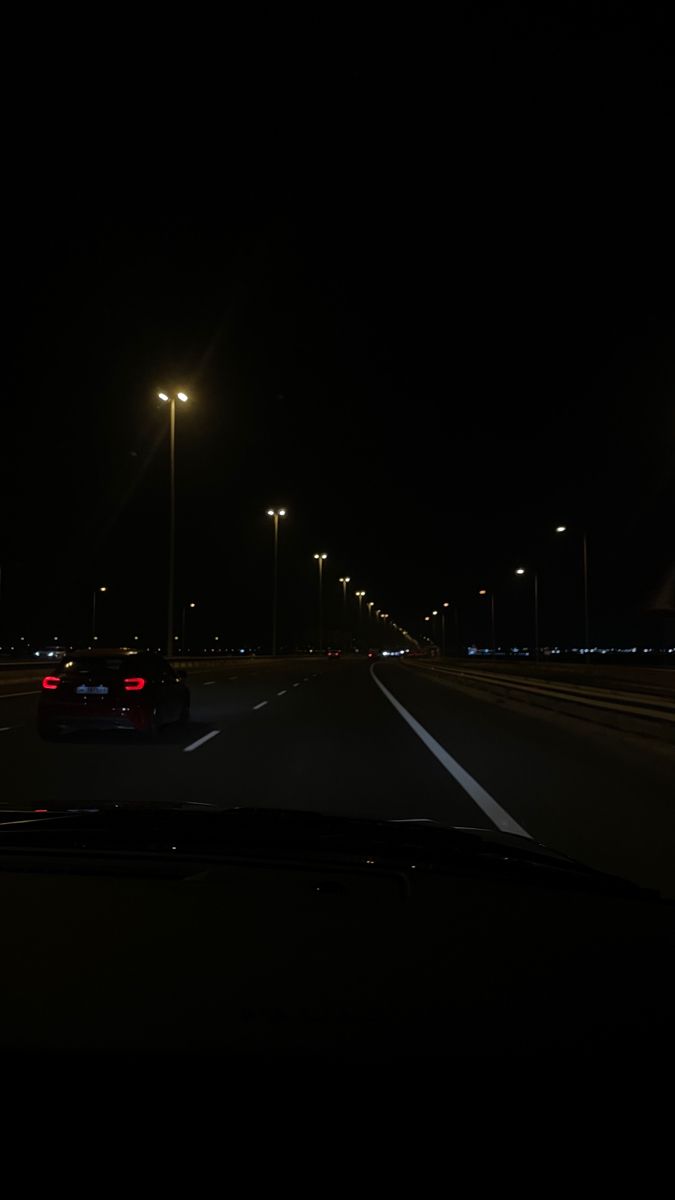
[(93, 612), (521, 571), (320, 558), (344, 580), (171, 401), (275, 513), (188, 604), (584, 546), (446, 604), (484, 592)]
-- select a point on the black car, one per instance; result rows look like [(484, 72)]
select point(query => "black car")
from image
[(112, 689)]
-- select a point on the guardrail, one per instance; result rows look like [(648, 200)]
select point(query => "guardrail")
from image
[(634, 711)]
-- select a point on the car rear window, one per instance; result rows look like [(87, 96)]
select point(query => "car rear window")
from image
[(119, 664)]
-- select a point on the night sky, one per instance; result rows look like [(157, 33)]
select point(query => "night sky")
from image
[(431, 315)]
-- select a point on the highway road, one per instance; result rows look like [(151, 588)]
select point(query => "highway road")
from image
[(388, 741)]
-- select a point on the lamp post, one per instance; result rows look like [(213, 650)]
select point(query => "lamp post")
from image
[(521, 571), (275, 513), (359, 597), (484, 592), (320, 558), (584, 551), (188, 604), (344, 580), (446, 604), (93, 611), (171, 401)]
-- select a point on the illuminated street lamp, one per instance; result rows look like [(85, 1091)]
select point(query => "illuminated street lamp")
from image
[(188, 604), (522, 571), (320, 559), (171, 401), (93, 611), (484, 592), (446, 604), (584, 546), (275, 513), (344, 580)]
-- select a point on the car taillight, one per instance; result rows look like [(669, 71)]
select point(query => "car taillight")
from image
[(50, 683), (135, 684)]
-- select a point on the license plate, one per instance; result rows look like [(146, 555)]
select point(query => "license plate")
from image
[(99, 690)]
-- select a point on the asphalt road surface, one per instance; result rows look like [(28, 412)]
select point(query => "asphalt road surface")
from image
[(338, 736)]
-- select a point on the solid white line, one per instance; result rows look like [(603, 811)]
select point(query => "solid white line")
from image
[(209, 683), (261, 705), (5, 728), (9, 695), (282, 693), (200, 741), (483, 799)]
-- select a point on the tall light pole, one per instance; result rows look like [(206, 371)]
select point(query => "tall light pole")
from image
[(446, 604), (320, 558), (359, 597), (188, 604), (275, 513), (171, 401), (344, 580), (434, 614), (93, 611), (584, 550), (484, 592), (521, 571)]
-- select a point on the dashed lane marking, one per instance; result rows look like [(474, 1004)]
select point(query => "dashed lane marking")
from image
[(200, 741), (261, 705)]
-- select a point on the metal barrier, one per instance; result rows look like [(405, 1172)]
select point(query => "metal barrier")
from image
[(621, 703)]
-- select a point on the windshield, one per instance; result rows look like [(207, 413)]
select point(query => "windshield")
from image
[(344, 484)]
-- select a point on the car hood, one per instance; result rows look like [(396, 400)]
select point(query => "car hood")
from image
[(297, 837)]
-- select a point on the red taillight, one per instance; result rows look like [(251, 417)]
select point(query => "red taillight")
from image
[(135, 684), (50, 683)]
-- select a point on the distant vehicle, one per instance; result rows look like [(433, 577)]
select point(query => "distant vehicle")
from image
[(373, 654), (112, 689), (333, 653), (51, 652)]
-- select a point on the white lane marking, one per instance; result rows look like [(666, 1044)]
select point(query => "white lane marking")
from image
[(296, 685), (9, 695), (261, 705), (200, 741), (483, 799), (6, 728), (306, 679), (209, 683), (199, 804), (231, 677), (283, 693)]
